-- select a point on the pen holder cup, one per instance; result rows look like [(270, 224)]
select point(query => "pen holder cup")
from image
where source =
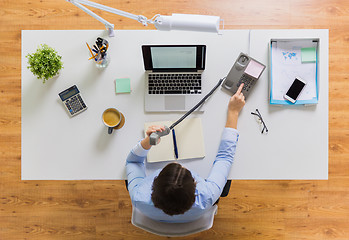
[(103, 62)]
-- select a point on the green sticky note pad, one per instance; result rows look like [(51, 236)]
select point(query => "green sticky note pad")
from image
[(308, 55), (122, 85)]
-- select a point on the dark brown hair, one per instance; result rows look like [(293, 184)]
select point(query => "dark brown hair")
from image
[(174, 190)]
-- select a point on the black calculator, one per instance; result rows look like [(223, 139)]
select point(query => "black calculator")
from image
[(73, 101)]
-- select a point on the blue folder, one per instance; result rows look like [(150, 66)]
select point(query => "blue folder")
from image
[(298, 102)]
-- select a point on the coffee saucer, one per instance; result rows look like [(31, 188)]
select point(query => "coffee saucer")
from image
[(122, 123)]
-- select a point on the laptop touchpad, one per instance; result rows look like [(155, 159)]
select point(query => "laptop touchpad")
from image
[(174, 102)]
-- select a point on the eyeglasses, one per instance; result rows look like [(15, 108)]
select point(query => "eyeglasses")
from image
[(260, 120)]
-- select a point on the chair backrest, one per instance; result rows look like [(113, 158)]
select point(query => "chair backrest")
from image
[(173, 229)]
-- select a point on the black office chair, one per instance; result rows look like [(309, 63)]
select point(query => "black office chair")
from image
[(226, 188)]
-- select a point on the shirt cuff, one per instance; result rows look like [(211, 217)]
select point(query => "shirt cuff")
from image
[(230, 134), (139, 150)]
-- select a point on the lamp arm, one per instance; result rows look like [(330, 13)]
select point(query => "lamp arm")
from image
[(108, 25), (139, 18), (111, 10), (187, 22)]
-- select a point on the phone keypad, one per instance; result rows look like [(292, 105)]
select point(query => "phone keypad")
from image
[(247, 80)]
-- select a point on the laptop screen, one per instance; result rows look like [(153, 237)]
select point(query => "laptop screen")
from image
[(174, 57), (180, 57)]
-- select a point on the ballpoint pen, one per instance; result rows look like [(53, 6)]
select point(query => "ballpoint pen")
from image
[(175, 144)]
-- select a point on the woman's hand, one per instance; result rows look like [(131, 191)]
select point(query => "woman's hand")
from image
[(236, 103), (151, 129), (154, 128)]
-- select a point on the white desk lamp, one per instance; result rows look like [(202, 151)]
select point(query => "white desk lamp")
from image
[(189, 22)]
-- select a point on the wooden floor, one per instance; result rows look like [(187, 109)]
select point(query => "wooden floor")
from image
[(102, 209)]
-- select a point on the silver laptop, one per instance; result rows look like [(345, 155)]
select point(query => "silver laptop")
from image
[(173, 77)]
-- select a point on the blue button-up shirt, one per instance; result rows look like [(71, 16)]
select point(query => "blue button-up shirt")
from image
[(207, 190)]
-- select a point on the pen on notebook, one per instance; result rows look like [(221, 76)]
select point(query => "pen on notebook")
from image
[(175, 144)]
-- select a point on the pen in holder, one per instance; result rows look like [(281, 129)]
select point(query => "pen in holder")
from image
[(99, 53), (103, 61)]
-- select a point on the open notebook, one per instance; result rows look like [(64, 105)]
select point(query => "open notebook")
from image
[(190, 141)]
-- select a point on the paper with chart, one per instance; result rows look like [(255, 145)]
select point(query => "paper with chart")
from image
[(287, 64)]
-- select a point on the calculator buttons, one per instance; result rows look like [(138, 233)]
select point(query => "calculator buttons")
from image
[(73, 103)]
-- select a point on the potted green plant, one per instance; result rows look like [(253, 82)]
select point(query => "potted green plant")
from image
[(45, 63)]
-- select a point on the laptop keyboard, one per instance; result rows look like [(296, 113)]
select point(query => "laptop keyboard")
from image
[(174, 83)]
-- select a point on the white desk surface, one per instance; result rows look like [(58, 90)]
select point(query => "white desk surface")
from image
[(55, 146)]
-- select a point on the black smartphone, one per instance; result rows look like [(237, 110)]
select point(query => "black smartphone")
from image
[(295, 89)]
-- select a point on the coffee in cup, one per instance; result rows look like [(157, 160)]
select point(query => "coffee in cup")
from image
[(111, 118)]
